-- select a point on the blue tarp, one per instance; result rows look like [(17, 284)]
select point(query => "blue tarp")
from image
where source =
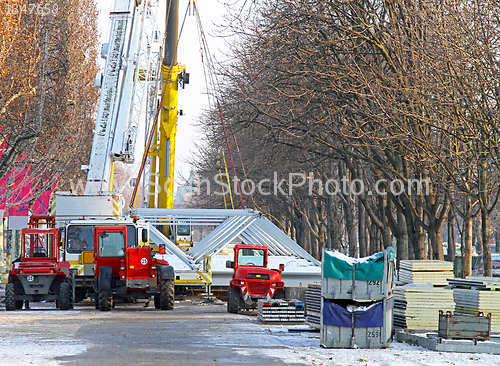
[(339, 316)]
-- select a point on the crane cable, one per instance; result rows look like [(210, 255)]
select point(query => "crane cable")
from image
[(214, 95), (158, 109), (220, 173), (228, 181)]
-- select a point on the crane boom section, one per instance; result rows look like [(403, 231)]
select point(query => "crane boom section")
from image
[(163, 153), (114, 137)]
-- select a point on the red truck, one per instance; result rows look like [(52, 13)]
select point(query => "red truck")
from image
[(125, 271), (252, 280), (40, 274)]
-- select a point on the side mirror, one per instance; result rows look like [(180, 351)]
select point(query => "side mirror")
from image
[(229, 264), (145, 236), (282, 267)]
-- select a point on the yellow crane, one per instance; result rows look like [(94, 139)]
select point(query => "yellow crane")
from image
[(163, 152)]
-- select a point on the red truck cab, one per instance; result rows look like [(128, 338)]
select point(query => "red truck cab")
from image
[(124, 271), (40, 274), (252, 279)]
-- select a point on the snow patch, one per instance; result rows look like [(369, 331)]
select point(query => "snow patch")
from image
[(20, 351)]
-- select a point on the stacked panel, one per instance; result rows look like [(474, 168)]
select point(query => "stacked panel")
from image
[(418, 307), (283, 311), (313, 306), (425, 271)]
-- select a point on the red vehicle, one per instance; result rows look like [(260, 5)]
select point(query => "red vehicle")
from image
[(40, 273), (252, 280), (123, 271)]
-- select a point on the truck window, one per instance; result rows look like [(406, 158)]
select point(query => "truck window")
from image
[(183, 230), (39, 245), (131, 236), (79, 238), (251, 257), (111, 244)]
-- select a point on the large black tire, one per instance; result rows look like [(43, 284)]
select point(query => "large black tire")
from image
[(96, 299), (10, 302), (71, 282), (105, 300), (65, 296), (233, 300), (167, 289), (157, 301)]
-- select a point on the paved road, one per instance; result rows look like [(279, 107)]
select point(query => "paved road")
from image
[(192, 334)]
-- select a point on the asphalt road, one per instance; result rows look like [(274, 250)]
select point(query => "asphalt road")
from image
[(194, 333)]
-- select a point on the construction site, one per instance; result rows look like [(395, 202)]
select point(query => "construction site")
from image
[(341, 205)]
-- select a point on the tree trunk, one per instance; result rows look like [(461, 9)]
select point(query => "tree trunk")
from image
[(451, 237), (329, 224), (336, 230), (486, 240), (386, 234), (419, 243), (349, 213), (306, 234), (410, 231), (467, 255), (484, 201), (402, 237), (368, 236), (363, 246), (322, 235)]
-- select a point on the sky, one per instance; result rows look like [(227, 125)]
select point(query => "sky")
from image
[(193, 99)]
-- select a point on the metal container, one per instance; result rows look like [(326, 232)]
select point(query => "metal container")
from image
[(334, 288), (379, 336), (453, 326)]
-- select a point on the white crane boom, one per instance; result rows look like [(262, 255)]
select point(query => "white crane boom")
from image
[(115, 135)]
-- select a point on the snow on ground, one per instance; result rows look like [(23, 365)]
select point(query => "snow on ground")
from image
[(31, 350), (305, 349), (38, 348)]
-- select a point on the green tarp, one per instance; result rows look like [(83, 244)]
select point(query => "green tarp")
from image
[(337, 265)]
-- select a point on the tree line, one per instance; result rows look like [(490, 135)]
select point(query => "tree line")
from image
[(48, 60), (375, 92)]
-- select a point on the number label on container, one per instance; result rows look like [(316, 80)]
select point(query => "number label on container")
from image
[(373, 283), (373, 333)]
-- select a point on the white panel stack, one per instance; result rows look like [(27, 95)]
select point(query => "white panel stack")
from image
[(313, 305), (425, 271), (418, 307), (281, 311)]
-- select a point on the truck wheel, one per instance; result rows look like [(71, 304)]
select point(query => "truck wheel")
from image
[(157, 301), (10, 303), (167, 289), (64, 296), (71, 282), (96, 299), (105, 300), (233, 300)]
